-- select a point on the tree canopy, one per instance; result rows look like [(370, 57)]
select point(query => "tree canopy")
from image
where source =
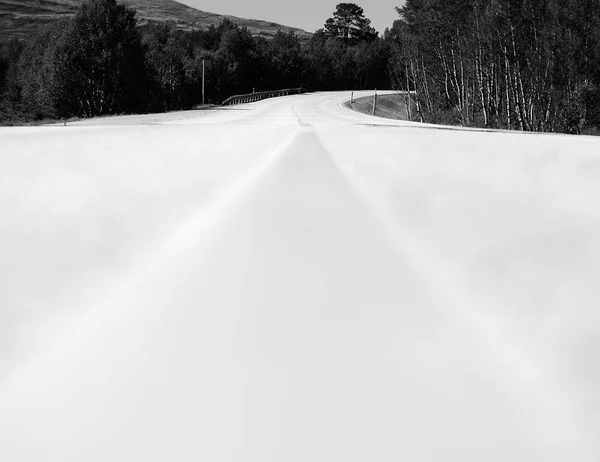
[(349, 24), (522, 64), (101, 59)]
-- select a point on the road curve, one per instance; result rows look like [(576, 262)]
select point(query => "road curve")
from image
[(288, 280)]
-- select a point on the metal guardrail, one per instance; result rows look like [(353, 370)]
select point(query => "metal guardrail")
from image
[(251, 97)]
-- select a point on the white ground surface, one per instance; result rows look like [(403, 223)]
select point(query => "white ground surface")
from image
[(290, 281)]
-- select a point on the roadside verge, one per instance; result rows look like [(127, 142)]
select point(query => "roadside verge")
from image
[(389, 106)]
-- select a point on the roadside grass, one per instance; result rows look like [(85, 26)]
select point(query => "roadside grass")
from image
[(390, 106), (393, 106), (17, 120), (21, 122)]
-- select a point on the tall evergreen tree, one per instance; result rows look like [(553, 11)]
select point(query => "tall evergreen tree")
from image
[(349, 24)]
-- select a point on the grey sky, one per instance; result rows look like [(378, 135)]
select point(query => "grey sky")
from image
[(305, 14)]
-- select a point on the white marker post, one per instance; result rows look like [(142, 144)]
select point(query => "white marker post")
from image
[(203, 82), (374, 101)]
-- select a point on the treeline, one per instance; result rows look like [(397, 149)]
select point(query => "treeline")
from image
[(530, 65), (99, 62)]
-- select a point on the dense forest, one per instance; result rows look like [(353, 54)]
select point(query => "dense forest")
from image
[(529, 65)]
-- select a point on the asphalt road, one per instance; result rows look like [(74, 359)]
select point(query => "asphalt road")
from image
[(289, 281)]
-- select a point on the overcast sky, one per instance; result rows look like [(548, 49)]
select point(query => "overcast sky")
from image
[(305, 14)]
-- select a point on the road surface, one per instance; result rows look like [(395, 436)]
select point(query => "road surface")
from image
[(291, 281)]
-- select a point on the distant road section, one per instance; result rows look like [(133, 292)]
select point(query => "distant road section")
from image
[(290, 280)]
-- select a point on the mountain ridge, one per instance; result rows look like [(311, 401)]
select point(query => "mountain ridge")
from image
[(20, 18)]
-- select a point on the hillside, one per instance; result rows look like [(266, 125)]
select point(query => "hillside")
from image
[(19, 18)]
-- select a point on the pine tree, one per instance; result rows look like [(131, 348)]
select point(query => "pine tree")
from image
[(350, 24)]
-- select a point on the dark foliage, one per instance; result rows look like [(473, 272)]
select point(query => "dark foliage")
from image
[(101, 61), (89, 65), (530, 65), (349, 24)]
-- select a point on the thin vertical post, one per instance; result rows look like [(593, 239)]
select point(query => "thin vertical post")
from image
[(202, 81), (374, 101), (352, 99)]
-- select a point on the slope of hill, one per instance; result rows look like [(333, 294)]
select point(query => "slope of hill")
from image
[(20, 18)]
